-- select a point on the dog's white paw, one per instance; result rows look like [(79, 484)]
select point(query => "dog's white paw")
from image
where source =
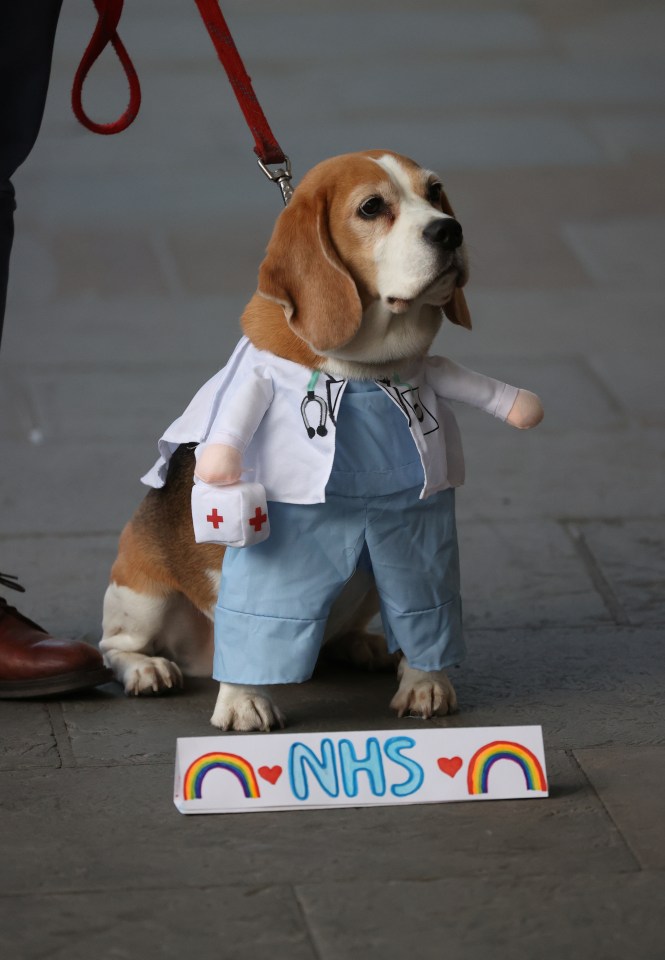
[(151, 675), (245, 708), (423, 694)]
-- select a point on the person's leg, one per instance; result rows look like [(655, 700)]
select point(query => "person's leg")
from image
[(7, 206), (27, 32), (32, 663)]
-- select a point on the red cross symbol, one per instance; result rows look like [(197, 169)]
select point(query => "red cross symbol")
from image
[(258, 519), (215, 519)]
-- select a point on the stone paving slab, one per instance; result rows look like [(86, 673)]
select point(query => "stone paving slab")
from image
[(566, 325), (124, 331), (525, 574), (631, 555), (627, 136), (65, 579), (182, 39), (119, 822), (106, 727), (583, 474), (630, 780), (438, 32), (606, 34), (81, 404), (519, 251), (22, 754), (27, 737), (92, 488), (608, 916), (221, 257), (436, 83), (636, 378), (586, 687), (22, 720), (332, 921), (205, 923), (617, 251), (81, 260), (555, 195), (486, 143)]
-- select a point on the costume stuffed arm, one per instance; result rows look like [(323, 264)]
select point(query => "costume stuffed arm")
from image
[(219, 459), (451, 381)]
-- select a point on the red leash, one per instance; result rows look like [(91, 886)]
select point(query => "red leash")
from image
[(266, 147)]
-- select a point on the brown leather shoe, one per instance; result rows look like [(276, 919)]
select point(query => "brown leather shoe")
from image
[(34, 664)]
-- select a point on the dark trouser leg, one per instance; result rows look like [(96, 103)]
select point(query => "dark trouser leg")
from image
[(32, 663), (27, 32)]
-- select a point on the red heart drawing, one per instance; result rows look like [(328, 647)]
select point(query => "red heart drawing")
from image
[(448, 765), (271, 774)]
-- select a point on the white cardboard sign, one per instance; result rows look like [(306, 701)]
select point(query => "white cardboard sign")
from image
[(246, 773)]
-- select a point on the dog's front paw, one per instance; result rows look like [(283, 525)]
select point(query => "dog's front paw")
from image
[(151, 675), (423, 694), (245, 708)]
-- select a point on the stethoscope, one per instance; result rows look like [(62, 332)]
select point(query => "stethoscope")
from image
[(311, 397), (322, 430)]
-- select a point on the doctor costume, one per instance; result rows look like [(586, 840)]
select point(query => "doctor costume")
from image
[(358, 474)]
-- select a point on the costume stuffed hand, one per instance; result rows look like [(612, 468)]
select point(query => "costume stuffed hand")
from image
[(526, 412), (219, 463)]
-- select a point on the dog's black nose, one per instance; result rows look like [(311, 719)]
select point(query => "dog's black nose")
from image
[(446, 233)]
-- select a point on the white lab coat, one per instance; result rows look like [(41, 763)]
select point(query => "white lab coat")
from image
[(255, 403)]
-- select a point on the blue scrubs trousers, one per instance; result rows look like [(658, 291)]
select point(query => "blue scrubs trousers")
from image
[(275, 596)]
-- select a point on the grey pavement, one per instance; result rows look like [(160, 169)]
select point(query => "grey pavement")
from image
[(134, 256)]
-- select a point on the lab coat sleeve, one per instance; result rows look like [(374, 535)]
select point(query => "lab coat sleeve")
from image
[(241, 412), (451, 381)]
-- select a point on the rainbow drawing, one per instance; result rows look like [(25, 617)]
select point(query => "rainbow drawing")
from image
[(482, 761), (241, 768)]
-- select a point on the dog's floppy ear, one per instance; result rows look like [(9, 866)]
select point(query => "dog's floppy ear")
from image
[(456, 309), (304, 274)]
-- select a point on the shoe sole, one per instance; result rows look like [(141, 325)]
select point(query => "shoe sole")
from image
[(49, 686)]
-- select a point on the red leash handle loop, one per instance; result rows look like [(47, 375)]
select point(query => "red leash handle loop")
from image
[(106, 32), (266, 147)]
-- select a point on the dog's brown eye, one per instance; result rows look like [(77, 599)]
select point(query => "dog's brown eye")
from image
[(371, 207), (434, 193)]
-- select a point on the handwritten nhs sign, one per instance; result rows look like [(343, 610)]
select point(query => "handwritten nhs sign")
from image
[(338, 767), (249, 773)]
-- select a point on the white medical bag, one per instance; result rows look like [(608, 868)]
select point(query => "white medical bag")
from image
[(236, 515)]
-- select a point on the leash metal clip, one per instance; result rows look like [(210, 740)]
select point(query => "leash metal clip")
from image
[(281, 176)]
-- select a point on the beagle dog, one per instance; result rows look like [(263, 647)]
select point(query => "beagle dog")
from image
[(360, 271)]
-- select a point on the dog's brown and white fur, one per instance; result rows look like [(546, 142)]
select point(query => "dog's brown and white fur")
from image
[(351, 285)]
